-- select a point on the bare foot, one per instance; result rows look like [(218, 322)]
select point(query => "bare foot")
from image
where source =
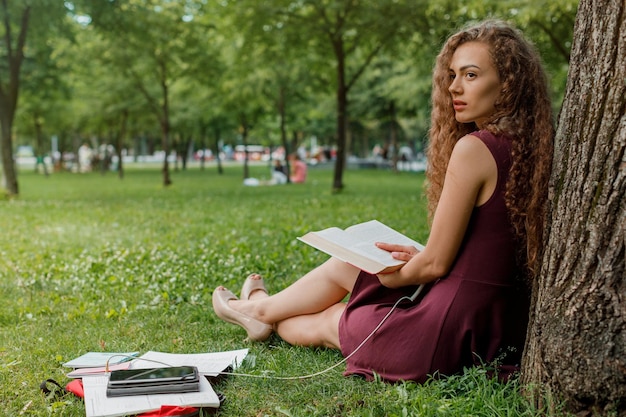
[(253, 288)]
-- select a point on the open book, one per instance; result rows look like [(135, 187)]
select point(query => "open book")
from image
[(356, 245)]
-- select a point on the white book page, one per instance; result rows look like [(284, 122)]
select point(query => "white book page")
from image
[(356, 244), (343, 242), (367, 234), (340, 237), (210, 364), (375, 231)]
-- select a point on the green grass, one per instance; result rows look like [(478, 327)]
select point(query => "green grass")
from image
[(91, 262)]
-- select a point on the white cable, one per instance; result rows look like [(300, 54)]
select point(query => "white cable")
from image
[(106, 368), (406, 297)]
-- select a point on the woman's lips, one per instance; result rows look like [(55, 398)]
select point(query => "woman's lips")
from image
[(459, 105)]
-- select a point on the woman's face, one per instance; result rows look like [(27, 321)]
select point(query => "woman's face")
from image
[(475, 84)]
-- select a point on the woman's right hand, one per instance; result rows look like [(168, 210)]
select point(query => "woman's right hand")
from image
[(400, 252)]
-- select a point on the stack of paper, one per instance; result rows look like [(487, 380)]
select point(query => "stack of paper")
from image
[(97, 404)]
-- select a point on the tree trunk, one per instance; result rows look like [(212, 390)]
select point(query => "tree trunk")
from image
[(40, 154), (165, 142), (217, 149), (202, 143), (165, 124), (243, 129), (393, 137), (6, 152), (576, 347), (342, 109), (283, 128), (9, 95), (119, 144)]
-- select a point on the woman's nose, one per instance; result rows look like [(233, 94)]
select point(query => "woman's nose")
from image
[(454, 86)]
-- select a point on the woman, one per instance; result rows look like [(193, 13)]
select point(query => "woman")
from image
[(490, 155), (298, 169)]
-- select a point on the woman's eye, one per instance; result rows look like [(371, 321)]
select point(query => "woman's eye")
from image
[(470, 75)]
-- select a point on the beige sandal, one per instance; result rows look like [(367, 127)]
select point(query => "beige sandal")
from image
[(257, 330)]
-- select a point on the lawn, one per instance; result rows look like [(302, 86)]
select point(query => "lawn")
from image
[(89, 262)]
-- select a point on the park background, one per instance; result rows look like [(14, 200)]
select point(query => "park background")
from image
[(338, 69), (137, 79)]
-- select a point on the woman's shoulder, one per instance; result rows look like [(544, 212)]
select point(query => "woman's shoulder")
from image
[(473, 142), (499, 144), (471, 150), (487, 135), (491, 137)]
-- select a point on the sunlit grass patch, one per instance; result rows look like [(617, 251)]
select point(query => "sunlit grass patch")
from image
[(91, 262)]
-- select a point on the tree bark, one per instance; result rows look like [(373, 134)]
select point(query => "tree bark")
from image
[(9, 95), (217, 149), (576, 346), (165, 143), (342, 110), (244, 129), (119, 144), (6, 153), (165, 120), (39, 151)]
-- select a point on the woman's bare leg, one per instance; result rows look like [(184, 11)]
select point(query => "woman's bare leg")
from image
[(318, 290), (319, 329)]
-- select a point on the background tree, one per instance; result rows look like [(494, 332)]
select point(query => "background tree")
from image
[(351, 33), (293, 63), (576, 347), (278, 53), (153, 52), (44, 90), (112, 97), (242, 94), (22, 23), (388, 93)]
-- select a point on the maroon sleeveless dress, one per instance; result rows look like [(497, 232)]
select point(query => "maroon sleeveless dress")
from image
[(476, 314)]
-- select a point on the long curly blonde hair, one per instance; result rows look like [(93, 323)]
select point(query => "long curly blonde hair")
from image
[(523, 113)]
